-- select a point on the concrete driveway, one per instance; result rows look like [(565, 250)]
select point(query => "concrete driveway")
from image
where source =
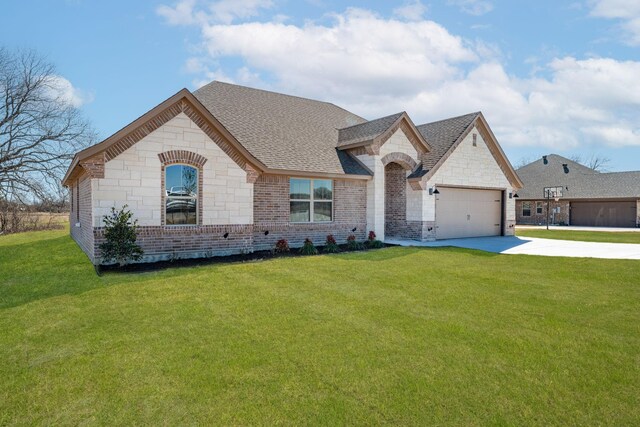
[(535, 246)]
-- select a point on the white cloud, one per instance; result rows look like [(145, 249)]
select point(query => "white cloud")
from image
[(412, 11), (224, 11), (627, 12), (63, 90), (181, 14), (472, 7), (376, 66)]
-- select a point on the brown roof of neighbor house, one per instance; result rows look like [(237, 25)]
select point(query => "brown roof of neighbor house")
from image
[(283, 131), (578, 181)]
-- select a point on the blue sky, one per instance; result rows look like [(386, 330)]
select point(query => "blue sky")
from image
[(549, 76)]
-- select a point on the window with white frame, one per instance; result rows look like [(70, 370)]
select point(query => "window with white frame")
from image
[(526, 208), (310, 200), (539, 208), (181, 195)]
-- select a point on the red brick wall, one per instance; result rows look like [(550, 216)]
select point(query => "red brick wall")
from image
[(180, 242), (395, 200), (81, 207), (541, 219), (271, 213)]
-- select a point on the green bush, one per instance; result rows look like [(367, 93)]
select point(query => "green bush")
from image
[(120, 234), (353, 244), (308, 248), (373, 242)]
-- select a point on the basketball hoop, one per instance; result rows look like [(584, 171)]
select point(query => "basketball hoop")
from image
[(551, 193)]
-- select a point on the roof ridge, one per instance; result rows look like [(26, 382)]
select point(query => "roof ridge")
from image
[(373, 120), (476, 113), (275, 93)]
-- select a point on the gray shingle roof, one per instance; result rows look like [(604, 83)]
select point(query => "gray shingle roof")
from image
[(283, 131), (443, 134), (579, 183), (366, 131)]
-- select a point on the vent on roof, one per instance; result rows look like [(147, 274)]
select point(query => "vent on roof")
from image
[(565, 167), (544, 160)]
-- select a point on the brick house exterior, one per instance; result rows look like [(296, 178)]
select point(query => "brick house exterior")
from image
[(360, 175), (588, 197)]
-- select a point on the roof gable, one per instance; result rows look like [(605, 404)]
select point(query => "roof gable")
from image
[(448, 134), (374, 133), (181, 102)]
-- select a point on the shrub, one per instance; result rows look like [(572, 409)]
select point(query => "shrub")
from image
[(331, 246), (308, 248), (120, 234), (372, 242), (282, 246), (352, 243)]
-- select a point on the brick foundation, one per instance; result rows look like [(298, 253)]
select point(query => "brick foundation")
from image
[(181, 242)]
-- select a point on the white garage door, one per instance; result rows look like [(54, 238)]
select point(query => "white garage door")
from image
[(462, 212)]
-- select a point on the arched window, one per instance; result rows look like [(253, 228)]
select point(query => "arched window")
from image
[(181, 195)]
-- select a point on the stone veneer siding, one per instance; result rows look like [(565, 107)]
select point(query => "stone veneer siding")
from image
[(471, 166), (541, 219), (271, 213)]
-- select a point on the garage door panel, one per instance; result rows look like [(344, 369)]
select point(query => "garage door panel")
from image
[(603, 214), (462, 212)]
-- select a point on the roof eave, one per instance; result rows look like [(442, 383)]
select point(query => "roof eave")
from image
[(182, 94)]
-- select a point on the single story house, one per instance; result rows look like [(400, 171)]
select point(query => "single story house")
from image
[(230, 169), (584, 197)]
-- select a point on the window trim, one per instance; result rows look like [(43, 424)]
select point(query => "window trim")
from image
[(526, 203), (539, 208), (197, 197), (311, 200)]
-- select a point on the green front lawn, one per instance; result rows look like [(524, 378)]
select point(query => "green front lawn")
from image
[(393, 336), (583, 236)]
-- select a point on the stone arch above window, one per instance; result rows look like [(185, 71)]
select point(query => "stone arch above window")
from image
[(402, 159), (182, 156)]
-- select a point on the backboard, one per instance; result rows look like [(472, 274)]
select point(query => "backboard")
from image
[(552, 192)]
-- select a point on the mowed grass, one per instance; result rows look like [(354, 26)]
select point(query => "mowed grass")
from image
[(583, 236), (394, 336)]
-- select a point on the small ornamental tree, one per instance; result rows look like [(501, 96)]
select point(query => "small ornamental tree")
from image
[(120, 234), (331, 246)]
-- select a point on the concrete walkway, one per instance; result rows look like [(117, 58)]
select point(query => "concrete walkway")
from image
[(535, 246), (578, 228)]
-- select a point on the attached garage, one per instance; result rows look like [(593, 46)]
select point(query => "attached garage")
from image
[(603, 214), (465, 212)]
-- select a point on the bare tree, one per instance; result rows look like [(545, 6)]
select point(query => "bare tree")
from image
[(523, 161), (40, 128), (593, 161)]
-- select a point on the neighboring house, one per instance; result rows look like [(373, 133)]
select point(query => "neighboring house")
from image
[(230, 169), (586, 197)]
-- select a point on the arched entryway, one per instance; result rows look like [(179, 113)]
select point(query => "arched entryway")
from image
[(395, 200)]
